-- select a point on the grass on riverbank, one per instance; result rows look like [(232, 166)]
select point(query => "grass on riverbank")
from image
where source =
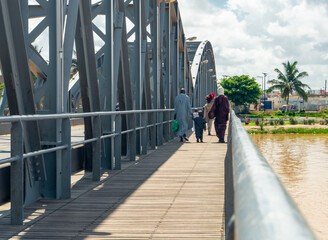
[(290, 130)]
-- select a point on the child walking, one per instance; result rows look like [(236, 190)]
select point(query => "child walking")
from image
[(194, 115), (200, 125)]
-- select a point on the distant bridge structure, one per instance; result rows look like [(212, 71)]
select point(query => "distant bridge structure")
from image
[(133, 53)]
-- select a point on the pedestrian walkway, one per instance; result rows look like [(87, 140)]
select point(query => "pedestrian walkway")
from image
[(174, 192)]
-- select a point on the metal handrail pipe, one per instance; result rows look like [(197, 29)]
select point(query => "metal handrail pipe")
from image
[(109, 135), (9, 160), (44, 151), (90, 140), (128, 131), (140, 128), (74, 144), (16, 118), (262, 207)]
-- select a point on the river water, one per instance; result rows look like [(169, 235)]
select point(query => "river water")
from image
[(301, 162)]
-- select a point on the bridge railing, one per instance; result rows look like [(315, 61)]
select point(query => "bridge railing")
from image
[(257, 206), (158, 121)]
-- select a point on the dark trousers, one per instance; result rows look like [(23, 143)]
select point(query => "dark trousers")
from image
[(199, 137), (220, 128)]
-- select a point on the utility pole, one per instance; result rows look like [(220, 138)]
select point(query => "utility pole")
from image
[(325, 87), (264, 75)]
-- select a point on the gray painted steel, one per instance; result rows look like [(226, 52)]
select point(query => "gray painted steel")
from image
[(17, 174), (139, 64), (18, 82), (63, 167), (262, 207)]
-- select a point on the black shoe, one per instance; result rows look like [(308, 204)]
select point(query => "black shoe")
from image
[(221, 140), (197, 140), (209, 134), (185, 138), (181, 139), (201, 140)]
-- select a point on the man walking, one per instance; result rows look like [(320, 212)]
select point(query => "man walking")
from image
[(182, 113), (220, 110)]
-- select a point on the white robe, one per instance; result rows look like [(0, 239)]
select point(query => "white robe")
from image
[(183, 112)]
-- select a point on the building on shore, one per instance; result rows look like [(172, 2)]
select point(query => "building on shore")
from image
[(317, 101)]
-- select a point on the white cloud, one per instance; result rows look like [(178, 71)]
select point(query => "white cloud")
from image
[(255, 36)]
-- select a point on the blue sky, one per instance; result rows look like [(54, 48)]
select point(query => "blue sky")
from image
[(255, 36), (219, 3)]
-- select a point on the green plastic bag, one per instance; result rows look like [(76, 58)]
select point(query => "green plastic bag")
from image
[(175, 126)]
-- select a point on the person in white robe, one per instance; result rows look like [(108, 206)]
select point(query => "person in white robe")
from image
[(182, 113)]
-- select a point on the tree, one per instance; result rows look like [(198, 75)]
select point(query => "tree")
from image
[(241, 89), (74, 67), (37, 48), (289, 82), (2, 86)]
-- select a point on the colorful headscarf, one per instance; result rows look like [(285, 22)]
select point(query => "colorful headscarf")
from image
[(209, 97)]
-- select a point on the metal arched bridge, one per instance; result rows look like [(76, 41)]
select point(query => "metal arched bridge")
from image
[(90, 85)]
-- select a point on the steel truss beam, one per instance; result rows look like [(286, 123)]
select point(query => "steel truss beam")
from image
[(18, 82), (131, 52)]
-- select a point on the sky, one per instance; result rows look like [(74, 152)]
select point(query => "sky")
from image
[(256, 36)]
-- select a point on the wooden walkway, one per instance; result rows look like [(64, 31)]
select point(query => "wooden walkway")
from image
[(174, 192)]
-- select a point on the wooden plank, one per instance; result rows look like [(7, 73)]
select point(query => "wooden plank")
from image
[(174, 192)]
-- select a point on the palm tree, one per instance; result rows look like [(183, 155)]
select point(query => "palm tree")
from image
[(37, 48), (2, 86), (74, 67), (289, 82)]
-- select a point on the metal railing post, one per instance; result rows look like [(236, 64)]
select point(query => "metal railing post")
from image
[(17, 174), (153, 130), (118, 142), (96, 149), (160, 128), (166, 126), (66, 158), (132, 137), (144, 133)]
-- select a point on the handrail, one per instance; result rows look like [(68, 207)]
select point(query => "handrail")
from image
[(16, 118), (159, 119), (262, 208), (37, 117)]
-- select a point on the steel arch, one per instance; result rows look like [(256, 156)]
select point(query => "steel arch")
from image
[(203, 70)]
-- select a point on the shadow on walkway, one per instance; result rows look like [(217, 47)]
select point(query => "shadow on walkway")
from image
[(169, 193)]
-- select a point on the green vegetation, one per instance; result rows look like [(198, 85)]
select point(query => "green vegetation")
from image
[(292, 121), (290, 130), (309, 122), (74, 67), (241, 89), (37, 48), (272, 122), (289, 82), (278, 114), (2, 86)]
